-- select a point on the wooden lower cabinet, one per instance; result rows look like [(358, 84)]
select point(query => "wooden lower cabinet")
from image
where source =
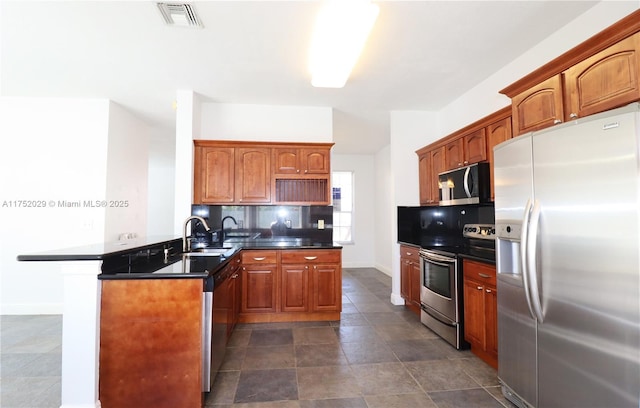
[(290, 285), (151, 348), (259, 281), (481, 310), (295, 288), (410, 277)]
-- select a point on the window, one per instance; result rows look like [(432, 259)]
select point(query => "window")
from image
[(342, 194)]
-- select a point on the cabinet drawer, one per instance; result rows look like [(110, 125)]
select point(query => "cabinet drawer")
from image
[(259, 257), (313, 255), (410, 253), (479, 271)]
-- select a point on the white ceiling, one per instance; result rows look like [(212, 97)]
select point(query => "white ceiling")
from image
[(421, 55)]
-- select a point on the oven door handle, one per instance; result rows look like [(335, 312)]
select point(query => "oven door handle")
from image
[(436, 258)]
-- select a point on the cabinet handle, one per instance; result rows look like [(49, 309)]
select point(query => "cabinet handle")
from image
[(259, 258), (234, 276), (298, 171), (466, 162), (484, 275), (310, 258), (555, 122), (409, 254), (479, 287), (488, 290), (306, 171), (573, 115)]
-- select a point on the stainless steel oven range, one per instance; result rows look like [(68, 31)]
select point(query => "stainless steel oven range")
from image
[(441, 295), (441, 282)]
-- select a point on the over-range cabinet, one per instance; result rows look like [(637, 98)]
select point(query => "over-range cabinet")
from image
[(568, 263)]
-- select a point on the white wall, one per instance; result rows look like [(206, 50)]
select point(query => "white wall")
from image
[(52, 150), (127, 174), (64, 150), (225, 121), (383, 200), (410, 130), (187, 129), (365, 224), (161, 184)]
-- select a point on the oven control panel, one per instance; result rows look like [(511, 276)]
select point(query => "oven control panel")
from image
[(481, 231)]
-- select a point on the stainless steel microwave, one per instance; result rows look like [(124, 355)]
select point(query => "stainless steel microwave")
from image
[(465, 185)]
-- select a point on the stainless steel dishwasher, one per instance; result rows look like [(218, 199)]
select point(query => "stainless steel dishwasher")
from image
[(214, 326)]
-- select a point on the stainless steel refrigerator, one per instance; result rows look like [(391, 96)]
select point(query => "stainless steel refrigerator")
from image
[(568, 258)]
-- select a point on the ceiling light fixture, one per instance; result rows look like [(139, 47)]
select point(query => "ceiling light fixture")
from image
[(341, 30), (179, 14)]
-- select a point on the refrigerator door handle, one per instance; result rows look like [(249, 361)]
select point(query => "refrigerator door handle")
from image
[(524, 235), (532, 241), (466, 181)]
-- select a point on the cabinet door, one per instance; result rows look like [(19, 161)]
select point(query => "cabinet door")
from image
[(314, 161), (214, 181), (454, 154), (405, 279), (475, 147), (538, 107), (491, 320), (425, 178), (295, 288), (497, 133), (474, 320), (285, 161), (253, 175), (605, 81), (259, 288), (326, 289), (437, 167)]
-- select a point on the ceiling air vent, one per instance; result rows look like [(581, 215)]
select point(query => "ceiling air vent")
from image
[(179, 14)]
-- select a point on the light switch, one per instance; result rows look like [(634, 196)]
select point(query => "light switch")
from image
[(320, 224)]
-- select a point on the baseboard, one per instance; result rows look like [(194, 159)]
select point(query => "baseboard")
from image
[(31, 309), (396, 299)]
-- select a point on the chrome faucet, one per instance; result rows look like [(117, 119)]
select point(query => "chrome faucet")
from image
[(185, 243), (222, 231)]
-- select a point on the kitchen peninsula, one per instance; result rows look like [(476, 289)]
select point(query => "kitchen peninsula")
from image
[(135, 311)]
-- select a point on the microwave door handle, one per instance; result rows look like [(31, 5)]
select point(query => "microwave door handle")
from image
[(532, 240), (466, 181), (524, 235)]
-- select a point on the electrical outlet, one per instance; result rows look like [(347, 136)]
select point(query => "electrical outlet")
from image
[(320, 224)]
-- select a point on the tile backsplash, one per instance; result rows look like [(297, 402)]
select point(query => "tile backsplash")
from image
[(266, 221)]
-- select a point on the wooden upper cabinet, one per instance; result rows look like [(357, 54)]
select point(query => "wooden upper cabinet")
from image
[(214, 175), (424, 178), (454, 154), (253, 175), (475, 147), (464, 150), (599, 74), (538, 107), (430, 164), (604, 81), (497, 133), (301, 161), (437, 167)]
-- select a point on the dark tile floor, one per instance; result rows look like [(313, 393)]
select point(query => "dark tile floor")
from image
[(377, 356)]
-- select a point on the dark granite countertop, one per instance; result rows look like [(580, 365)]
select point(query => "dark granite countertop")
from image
[(161, 257), (99, 251)]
